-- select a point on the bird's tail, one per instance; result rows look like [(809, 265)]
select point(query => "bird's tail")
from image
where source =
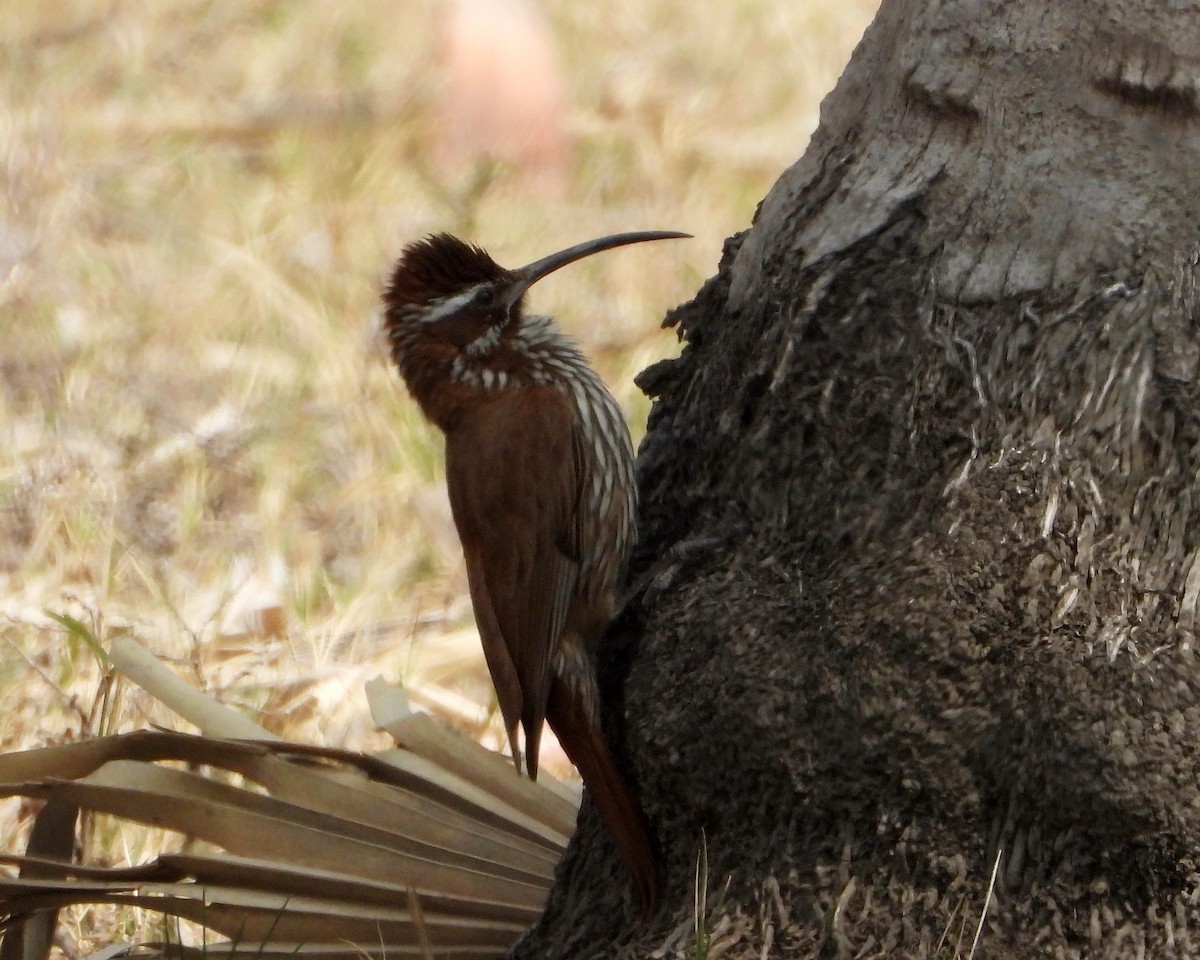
[(585, 745)]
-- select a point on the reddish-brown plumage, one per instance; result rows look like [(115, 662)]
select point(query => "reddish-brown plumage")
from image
[(539, 467)]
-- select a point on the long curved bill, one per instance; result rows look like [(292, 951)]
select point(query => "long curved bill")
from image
[(525, 277)]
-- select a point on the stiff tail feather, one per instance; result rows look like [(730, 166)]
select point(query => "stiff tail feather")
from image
[(622, 815)]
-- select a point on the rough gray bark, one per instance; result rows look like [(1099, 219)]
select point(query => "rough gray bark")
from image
[(920, 546)]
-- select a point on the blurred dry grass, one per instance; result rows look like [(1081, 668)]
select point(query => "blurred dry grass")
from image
[(200, 440)]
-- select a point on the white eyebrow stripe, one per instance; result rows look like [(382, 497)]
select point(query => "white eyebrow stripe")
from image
[(450, 305)]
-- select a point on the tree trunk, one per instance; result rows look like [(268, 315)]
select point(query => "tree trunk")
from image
[(920, 563)]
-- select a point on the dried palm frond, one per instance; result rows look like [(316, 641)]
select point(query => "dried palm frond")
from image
[(436, 847)]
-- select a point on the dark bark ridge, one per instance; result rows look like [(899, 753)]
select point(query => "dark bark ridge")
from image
[(919, 531)]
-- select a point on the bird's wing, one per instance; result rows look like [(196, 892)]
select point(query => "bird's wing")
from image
[(512, 472)]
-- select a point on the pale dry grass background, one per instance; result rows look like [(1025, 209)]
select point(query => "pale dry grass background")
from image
[(200, 439)]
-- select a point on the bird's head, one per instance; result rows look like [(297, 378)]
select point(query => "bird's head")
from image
[(454, 315), (446, 290)]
